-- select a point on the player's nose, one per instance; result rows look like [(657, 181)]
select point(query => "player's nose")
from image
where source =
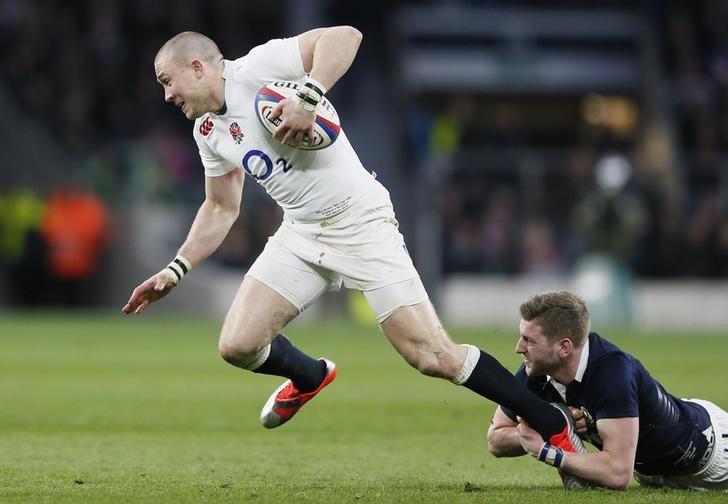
[(520, 346), (168, 95)]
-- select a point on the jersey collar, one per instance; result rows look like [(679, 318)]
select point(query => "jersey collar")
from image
[(580, 369)]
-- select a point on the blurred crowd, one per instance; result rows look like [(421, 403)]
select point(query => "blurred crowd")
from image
[(52, 249), (82, 70), (651, 195), (535, 185)]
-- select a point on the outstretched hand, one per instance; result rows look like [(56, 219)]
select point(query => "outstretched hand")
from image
[(149, 291), (295, 122)]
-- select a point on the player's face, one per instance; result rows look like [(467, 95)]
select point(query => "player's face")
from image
[(183, 86), (540, 355)]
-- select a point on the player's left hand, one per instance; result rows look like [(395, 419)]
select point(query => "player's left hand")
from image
[(296, 122), (531, 441)]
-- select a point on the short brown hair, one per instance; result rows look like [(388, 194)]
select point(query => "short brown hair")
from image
[(190, 44), (561, 314)]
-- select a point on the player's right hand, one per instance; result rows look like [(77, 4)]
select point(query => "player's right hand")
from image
[(579, 420), (296, 123), (152, 289)]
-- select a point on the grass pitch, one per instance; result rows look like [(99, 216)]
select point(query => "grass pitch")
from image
[(106, 408)]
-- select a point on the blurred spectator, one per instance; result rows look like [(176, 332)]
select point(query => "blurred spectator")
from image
[(498, 230), (76, 229), (701, 250), (539, 251), (611, 217), (22, 252)]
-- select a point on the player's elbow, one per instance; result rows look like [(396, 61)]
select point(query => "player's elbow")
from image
[(618, 485), (352, 33), (495, 449), (496, 445), (226, 211), (620, 479), (623, 480)]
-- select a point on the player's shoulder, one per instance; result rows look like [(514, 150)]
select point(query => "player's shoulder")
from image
[(263, 54), (606, 360), (601, 349), (202, 128), (274, 45), (236, 68)]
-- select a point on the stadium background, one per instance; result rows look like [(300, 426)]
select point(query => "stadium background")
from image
[(526, 147), (523, 146)]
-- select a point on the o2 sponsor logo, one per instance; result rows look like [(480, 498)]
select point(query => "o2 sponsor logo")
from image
[(259, 165)]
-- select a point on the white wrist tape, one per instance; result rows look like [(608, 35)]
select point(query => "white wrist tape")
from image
[(310, 94), (316, 85), (179, 267)]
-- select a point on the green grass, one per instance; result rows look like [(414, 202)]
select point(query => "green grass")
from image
[(106, 408)]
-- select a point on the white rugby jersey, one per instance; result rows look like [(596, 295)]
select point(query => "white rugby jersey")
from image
[(308, 185)]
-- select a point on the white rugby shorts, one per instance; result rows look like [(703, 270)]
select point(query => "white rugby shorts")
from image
[(360, 248), (714, 474)]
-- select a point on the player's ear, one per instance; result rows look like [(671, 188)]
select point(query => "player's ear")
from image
[(566, 346), (198, 68)]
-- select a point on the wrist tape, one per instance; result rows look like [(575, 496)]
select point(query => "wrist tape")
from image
[(310, 94), (551, 455), (179, 267)]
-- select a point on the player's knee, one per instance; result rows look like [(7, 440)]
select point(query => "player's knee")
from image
[(238, 353), (433, 364)]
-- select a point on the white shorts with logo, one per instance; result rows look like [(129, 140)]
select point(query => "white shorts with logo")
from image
[(714, 474), (360, 248)]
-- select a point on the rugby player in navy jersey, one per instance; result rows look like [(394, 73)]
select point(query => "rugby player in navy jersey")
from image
[(339, 227), (638, 427)]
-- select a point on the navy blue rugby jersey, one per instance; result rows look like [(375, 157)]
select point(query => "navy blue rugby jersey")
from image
[(616, 385)]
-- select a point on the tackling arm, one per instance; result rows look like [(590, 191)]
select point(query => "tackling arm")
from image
[(611, 467), (502, 436)]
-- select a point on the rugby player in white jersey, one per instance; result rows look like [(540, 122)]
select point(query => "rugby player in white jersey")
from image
[(338, 227)]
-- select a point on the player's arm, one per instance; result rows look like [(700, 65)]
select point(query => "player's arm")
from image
[(213, 222), (611, 467), (502, 436), (326, 53), (215, 217)]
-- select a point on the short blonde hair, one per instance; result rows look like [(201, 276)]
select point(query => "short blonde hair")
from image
[(190, 44), (560, 314)]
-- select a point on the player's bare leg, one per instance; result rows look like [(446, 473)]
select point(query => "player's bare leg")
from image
[(417, 334), (257, 315), (251, 339)]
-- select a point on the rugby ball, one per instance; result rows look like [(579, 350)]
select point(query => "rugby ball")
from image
[(326, 128)]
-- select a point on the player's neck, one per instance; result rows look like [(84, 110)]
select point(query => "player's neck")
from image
[(566, 373), (218, 105)]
